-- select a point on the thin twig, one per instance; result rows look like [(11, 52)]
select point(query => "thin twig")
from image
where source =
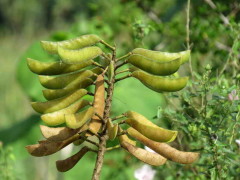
[(124, 77), (92, 142), (98, 65), (123, 71), (108, 45), (121, 64), (125, 56), (118, 117), (114, 147)]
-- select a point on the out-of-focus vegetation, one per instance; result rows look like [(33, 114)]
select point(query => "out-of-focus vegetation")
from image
[(204, 113)]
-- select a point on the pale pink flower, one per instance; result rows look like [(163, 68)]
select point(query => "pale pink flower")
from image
[(233, 96), (145, 173)]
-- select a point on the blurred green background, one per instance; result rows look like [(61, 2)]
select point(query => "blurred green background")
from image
[(158, 25)]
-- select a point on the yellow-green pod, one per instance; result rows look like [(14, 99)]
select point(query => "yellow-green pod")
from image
[(76, 43), (59, 82), (60, 133), (124, 138), (111, 71), (51, 94), (163, 56), (57, 104), (58, 117), (112, 130), (164, 149), (155, 67), (97, 70), (54, 68), (160, 84), (80, 55), (75, 121), (149, 129), (150, 158)]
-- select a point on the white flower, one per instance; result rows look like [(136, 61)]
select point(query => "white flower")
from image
[(145, 173), (238, 142), (233, 96)]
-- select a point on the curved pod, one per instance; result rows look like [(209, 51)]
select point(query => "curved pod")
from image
[(112, 130), (98, 104), (164, 149), (155, 67), (57, 104), (150, 158), (76, 43), (51, 94), (160, 84), (78, 56), (58, 117), (124, 137), (75, 121), (54, 68), (59, 82), (163, 56), (69, 163), (60, 133)]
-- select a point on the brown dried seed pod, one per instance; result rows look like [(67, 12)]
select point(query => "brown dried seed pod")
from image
[(124, 138), (150, 158), (164, 149), (60, 133), (98, 104), (69, 163), (46, 147)]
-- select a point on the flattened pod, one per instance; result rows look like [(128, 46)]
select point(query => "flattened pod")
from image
[(164, 149), (150, 130), (58, 117), (69, 163), (160, 84), (75, 121), (57, 104), (98, 104), (163, 56), (124, 138), (59, 82), (76, 43), (150, 158), (60, 133), (54, 68), (79, 56), (112, 130), (51, 94), (49, 147), (155, 67)]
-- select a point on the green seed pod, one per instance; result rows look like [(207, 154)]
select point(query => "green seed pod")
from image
[(57, 104), (51, 94), (60, 133), (57, 117), (97, 70), (75, 121), (80, 55), (112, 130), (76, 43), (163, 56), (160, 84), (150, 158), (155, 67), (54, 68), (69, 163), (164, 149), (110, 71), (59, 82)]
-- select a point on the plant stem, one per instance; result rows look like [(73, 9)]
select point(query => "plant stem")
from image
[(103, 139)]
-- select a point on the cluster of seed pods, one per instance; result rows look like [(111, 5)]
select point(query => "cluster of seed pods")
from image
[(66, 83)]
